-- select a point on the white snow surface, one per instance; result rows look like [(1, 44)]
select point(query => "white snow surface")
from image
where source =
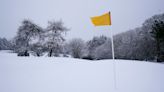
[(57, 74)]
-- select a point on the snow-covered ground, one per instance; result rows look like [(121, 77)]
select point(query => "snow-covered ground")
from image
[(44, 74)]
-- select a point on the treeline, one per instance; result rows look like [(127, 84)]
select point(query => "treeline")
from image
[(142, 43)]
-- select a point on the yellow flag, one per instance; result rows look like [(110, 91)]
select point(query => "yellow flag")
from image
[(102, 20)]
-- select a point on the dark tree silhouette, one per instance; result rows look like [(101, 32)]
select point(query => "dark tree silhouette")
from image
[(158, 35)]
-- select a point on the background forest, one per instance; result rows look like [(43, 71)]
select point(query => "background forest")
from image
[(142, 43)]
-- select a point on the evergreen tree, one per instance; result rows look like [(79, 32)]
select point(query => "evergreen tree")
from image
[(158, 35)]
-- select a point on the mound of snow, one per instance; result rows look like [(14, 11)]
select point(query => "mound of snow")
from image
[(44, 74)]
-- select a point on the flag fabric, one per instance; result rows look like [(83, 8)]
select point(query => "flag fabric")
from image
[(103, 20)]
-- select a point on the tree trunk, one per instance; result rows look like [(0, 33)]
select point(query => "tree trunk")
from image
[(158, 51), (50, 53), (26, 53), (38, 54)]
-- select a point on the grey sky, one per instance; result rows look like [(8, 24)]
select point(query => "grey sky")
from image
[(126, 14)]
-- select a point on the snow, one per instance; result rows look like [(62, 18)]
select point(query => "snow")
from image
[(57, 74)]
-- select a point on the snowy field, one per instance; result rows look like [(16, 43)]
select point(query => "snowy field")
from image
[(44, 74)]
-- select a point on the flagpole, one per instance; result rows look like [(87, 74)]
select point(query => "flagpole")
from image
[(113, 57), (102, 20), (114, 63)]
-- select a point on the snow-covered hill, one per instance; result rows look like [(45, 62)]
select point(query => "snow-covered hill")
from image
[(44, 74)]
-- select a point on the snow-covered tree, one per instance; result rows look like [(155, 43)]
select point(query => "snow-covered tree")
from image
[(76, 47), (149, 27), (26, 32), (54, 37), (158, 35), (5, 44), (93, 44), (37, 49), (134, 44), (104, 51)]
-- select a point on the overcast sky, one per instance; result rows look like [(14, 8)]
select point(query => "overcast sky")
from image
[(126, 14)]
